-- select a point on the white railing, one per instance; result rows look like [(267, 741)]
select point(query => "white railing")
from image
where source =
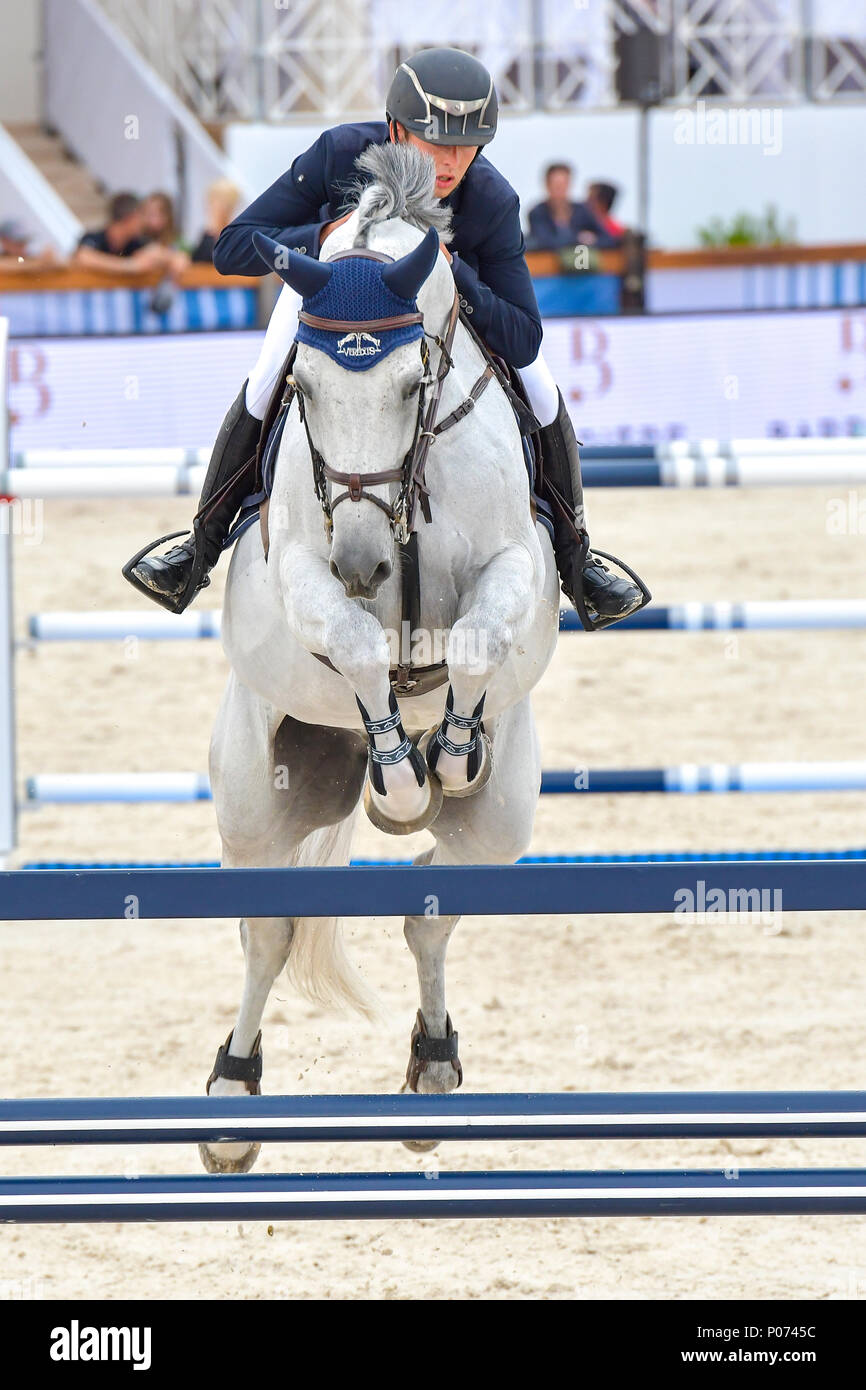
[(134, 133), (27, 195), (270, 60)]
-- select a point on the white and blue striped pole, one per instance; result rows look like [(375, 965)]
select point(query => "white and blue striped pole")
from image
[(721, 616), (680, 779), (384, 1118), (442, 1195)]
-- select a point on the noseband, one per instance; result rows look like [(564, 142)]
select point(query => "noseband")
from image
[(410, 474)]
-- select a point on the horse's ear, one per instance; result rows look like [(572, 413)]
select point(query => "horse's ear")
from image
[(305, 275), (406, 276)]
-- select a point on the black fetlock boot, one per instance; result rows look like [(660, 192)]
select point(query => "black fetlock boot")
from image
[(173, 579), (585, 580)]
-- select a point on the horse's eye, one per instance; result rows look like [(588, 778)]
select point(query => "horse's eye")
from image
[(411, 389)]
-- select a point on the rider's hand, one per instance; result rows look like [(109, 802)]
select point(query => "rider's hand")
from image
[(332, 226)]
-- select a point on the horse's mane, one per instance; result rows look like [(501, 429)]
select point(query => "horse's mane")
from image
[(402, 186)]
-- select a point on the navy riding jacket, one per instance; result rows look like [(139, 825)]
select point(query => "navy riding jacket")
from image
[(487, 247)]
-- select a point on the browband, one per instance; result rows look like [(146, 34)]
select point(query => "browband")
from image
[(360, 251), (362, 326)]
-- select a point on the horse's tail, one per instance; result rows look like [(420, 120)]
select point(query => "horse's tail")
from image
[(318, 966)]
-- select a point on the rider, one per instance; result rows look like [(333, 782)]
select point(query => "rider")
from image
[(444, 101)]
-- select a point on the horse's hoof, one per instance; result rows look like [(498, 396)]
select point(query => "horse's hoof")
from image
[(482, 776), (393, 827), (417, 1146), (213, 1163)]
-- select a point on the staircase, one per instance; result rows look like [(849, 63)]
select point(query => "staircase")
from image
[(70, 180)]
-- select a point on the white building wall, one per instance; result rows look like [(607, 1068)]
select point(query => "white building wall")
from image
[(20, 65), (810, 170)]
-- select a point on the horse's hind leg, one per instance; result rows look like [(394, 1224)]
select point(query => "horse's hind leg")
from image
[(427, 937), (434, 1066), (494, 827), (271, 789), (253, 829)]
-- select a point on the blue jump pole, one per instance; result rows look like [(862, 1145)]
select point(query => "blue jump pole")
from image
[(382, 1118), (812, 885), (378, 1196)]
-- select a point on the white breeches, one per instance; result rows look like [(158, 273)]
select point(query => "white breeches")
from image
[(278, 339), (540, 385), (541, 390)]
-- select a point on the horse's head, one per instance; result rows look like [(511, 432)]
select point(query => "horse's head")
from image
[(359, 371)]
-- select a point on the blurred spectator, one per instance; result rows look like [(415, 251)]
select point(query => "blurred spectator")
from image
[(15, 244), (122, 245), (157, 216), (223, 197), (559, 222), (600, 199), (160, 227)]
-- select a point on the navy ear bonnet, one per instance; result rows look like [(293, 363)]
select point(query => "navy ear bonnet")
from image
[(357, 292)]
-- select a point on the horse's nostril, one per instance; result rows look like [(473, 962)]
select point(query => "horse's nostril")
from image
[(356, 578), (380, 573)]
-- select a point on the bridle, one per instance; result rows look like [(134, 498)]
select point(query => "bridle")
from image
[(412, 489)]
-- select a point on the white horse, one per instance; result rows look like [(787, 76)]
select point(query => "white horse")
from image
[(291, 750)]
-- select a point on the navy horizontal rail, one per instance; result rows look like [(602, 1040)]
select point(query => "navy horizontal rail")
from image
[(656, 618), (112, 894), (625, 452), (377, 1196), (621, 472), (513, 1116)]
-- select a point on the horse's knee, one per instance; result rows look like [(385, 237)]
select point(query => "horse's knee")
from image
[(266, 942), (476, 652), (428, 933)]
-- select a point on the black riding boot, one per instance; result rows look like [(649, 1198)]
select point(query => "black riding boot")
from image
[(605, 593), (231, 472)]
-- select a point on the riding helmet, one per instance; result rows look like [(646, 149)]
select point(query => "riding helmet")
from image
[(444, 96)]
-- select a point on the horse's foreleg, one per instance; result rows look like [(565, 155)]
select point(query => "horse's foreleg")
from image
[(401, 796), (501, 607)]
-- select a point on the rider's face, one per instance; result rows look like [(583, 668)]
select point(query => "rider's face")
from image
[(451, 161)]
